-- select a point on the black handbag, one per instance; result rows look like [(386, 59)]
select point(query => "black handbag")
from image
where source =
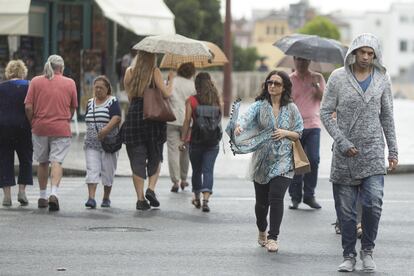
[(110, 144)]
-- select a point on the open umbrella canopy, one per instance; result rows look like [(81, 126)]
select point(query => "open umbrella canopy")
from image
[(173, 44), (174, 61), (312, 47), (321, 67)]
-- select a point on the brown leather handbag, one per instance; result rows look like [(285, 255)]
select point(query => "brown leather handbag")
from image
[(156, 107)]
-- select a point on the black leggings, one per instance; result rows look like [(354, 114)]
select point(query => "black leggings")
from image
[(270, 194)]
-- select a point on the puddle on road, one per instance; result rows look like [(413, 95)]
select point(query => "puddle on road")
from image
[(118, 229)]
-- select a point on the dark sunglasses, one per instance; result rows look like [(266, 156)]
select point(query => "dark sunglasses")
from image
[(275, 83)]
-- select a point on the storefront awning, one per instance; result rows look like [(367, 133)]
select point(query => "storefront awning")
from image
[(14, 17), (142, 17)]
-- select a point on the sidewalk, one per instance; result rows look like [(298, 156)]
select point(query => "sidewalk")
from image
[(230, 166)]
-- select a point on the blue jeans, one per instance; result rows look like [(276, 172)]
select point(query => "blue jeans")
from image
[(370, 192), (202, 162), (310, 142)]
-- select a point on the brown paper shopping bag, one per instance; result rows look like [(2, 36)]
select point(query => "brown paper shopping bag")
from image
[(302, 164)]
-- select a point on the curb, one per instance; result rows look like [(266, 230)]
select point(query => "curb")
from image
[(71, 172), (403, 169)]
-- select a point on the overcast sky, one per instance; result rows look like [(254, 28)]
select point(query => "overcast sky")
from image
[(242, 8)]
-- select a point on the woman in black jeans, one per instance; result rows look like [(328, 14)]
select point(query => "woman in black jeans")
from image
[(15, 133), (267, 129)]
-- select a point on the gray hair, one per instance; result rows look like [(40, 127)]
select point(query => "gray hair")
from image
[(53, 64)]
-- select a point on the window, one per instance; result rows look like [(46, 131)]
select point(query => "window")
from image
[(378, 22), (404, 19), (282, 30), (268, 30), (275, 30), (403, 46)]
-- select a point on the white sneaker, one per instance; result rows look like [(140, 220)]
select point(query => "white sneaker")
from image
[(368, 264), (272, 245), (348, 265), (262, 239)]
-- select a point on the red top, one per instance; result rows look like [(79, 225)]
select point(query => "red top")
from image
[(52, 100), (194, 103)]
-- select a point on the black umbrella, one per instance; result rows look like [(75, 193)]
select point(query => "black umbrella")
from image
[(312, 47)]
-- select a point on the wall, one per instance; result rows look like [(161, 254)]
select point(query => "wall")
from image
[(245, 84)]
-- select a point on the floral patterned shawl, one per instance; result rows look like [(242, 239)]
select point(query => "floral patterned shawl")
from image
[(270, 158)]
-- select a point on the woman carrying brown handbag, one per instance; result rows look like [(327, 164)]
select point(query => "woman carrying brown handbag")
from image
[(144, 139)]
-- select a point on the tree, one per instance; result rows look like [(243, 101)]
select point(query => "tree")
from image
[(321, 26), (198, 19), (201, 19), (244, 59), (213, 30)]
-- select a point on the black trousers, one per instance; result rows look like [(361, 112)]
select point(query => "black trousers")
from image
[(19, 140), (270, 195)]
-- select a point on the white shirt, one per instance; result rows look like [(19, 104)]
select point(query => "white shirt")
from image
[(182, 89)]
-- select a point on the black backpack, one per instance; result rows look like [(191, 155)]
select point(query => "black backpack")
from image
[(206, 129)]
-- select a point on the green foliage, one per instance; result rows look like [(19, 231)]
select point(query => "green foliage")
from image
[(244, 59), (201, 19), (125, 40), (213, 26), (321, 26), (198, 19)]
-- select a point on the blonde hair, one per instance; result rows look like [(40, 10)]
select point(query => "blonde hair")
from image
[(53, 64), (141, 73), (16, 69)]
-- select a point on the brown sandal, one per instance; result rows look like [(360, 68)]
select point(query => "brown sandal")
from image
[(175, 188), (196, 202), (183, 184)]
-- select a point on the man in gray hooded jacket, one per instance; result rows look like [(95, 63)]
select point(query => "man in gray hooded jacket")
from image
[(360, 94)]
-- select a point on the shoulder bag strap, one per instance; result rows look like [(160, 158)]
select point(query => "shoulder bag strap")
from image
[(93, 112)]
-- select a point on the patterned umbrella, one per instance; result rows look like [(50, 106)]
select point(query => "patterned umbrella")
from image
[(313, 47), (173, 44), (174, 61)]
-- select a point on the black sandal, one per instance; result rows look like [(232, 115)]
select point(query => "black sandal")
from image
[(205, 207)]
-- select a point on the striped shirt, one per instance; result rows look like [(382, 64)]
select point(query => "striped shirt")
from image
[(98, 116)]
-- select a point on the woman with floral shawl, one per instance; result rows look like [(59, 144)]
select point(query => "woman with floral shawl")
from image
[(267, 129)]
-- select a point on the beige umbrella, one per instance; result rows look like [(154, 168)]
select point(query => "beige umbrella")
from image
[(287, 62), (173, 44), (174, 61)]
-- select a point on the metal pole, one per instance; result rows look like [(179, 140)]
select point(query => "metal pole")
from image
[(227, 85)]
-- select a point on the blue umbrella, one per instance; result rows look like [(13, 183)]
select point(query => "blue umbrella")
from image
[(312, 47)]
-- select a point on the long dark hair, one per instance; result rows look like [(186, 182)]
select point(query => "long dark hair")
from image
[(207, 93), (287, 89)]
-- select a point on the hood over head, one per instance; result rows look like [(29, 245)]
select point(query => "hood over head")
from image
[(365, 40)]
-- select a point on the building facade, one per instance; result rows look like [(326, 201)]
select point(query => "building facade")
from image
[(267, 31), (394, 28), (83, 32)]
